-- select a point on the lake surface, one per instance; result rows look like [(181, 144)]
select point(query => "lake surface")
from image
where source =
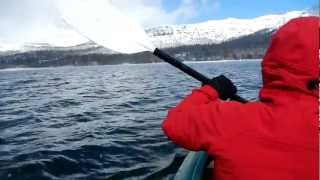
[(99, 122)]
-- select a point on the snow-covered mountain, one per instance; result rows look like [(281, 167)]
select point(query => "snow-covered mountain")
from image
[(217, 31), (210, 32)]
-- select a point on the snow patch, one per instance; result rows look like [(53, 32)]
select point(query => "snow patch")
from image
[(210, 32)]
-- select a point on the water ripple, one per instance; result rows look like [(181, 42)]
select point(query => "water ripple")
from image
[(99, 122)]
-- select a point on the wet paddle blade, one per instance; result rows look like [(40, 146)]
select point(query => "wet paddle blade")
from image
[(101, 22)]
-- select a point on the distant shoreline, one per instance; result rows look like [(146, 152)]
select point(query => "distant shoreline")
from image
[(248, 47), (19, 68)]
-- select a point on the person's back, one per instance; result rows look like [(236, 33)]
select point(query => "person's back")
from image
[(275, 138)]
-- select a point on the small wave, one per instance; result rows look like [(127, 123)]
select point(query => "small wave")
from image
[(18, 69), (55, 79), (2, 141), (96, 127), (171, 168), (221, 61), (28, 81), (57, 166), (136, 173)]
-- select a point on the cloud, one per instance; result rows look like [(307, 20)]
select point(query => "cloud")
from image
[(314, 10), (23, 21), (153, 13), (146, 12)]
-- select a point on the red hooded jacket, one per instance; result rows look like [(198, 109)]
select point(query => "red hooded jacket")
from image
[(273, 139)]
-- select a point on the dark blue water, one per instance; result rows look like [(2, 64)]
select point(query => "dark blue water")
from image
[(98, 122)]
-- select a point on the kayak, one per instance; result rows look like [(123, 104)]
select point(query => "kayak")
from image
[(194, 167)]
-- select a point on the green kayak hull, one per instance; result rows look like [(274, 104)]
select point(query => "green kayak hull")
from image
[(193, 167)]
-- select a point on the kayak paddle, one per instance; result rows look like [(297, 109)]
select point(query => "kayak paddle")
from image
[(102, 23)]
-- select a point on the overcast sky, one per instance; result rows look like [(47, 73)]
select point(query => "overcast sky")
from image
[(38, 20)]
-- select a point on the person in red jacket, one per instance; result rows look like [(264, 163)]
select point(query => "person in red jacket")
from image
[(273, 139)]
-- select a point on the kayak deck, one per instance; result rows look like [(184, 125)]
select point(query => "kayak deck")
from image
[(194, 167)]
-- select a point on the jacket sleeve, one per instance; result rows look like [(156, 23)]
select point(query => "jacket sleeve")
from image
[(202, 121)]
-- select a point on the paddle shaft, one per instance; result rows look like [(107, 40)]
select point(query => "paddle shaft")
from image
[(188, 70)]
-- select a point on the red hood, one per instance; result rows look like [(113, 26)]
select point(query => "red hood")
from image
[(292, 60)]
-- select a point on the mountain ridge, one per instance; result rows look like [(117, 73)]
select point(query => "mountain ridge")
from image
[(167, 36), (217, 31), (248, 47), (244, 46)]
